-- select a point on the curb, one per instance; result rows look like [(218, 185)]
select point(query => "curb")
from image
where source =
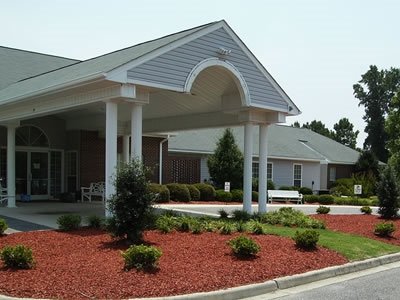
[(259, 289)]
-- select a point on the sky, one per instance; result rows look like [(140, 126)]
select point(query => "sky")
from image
[(315, 49)]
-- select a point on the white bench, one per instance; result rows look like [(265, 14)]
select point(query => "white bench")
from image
[(95, 189), (283, 195), (3, 194)]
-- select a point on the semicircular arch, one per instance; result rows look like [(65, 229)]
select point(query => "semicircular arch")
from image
[(31, 136), (215, 62)]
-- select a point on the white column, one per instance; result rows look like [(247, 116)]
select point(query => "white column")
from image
[(111, 148), (136, 131), (262, 168), (248, 158), (11, 128), (125, 148)]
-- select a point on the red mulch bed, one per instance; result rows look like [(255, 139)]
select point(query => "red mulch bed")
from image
[(87, 263)]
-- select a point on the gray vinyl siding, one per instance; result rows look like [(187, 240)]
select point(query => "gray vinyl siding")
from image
[(172, 68), (204, 173), (283, 173)]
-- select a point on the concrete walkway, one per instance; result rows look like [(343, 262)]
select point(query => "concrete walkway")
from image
[(43, 215)]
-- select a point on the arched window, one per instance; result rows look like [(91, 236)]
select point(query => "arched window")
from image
[(30, 136)]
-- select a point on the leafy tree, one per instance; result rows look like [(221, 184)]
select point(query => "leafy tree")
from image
[(388, 194), (131, 205), (296, 124), (393, 130), (318, 127), (226, 164), (375, 91), (344, 133), (366, 163)]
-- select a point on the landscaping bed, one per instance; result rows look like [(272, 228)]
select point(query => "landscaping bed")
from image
[(86, 263)]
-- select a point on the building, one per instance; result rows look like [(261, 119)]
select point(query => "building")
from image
[(65, 123)]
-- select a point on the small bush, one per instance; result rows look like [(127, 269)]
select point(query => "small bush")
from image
[(161, 192), (3, 226), (254, 196), (270, 185), (310, 198), (237, 195), (207, 191), (306, 239), (305, 190), (69, 222), (221, 195), (184, 223), (240, 215), (326, 199), (17, 257), (228, 228), (165, 223), (366, 210), (384, 229), (141, 257), (95, 221), (288, 188), (223, 214), (323, 210), (179, 192), (243, 246), (256, 227), (194, 192)]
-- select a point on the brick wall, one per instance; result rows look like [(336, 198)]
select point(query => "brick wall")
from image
[(183, 169)]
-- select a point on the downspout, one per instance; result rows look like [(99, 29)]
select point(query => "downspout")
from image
[(161, 158)]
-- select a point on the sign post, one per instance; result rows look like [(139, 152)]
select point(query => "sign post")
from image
[(227, 186), (357, 189)]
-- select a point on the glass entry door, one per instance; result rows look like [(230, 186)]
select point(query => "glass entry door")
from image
[(32, 174)]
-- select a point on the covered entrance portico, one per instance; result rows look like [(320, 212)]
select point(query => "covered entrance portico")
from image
[(199, 78)]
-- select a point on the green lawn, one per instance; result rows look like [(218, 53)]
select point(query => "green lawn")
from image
[(353, 247)]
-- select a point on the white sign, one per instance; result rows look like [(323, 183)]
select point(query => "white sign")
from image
[(357, 189), (227, 186)]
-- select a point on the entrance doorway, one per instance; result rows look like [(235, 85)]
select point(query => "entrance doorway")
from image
[(32, 174)]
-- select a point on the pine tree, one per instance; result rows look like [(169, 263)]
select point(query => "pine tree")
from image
[(226, 164), (388, 194)]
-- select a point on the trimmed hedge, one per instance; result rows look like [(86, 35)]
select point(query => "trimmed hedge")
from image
[(161, 190), (194, 192), (237, 195), (221, 195), (179, 192), (207, 191)]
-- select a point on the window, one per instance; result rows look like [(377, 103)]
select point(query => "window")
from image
[(297, 170), (30, 136), (255, 170), (332, 174)]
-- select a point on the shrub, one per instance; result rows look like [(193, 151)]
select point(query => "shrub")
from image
[(194, 192), (237, 195), (306, 239), (95, 221), (165, 223), (243, 246), (255, 184), (270, 185), (310, 198), (305, 190), (388, 194), (366, 210), (161, 192), (326, 199), (3, 226), (240, 215), (20, 257), (184, 223), (207, 191), (221, 195), (141, 257), (254, 196), (223, 214), (178, 192), (323, 210), (256, 227), (286, 188), (69, 222), (228, 228), (131, 205), (384, 229)]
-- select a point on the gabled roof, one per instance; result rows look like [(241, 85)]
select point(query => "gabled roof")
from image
[(17, 65), (284, 142), (95, 67)]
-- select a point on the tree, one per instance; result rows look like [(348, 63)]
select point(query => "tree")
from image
[(131, 205), (226, 164), (344, 133), (388, 194), (318, 127), (375, 91), (367, 163), (392, 127)]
